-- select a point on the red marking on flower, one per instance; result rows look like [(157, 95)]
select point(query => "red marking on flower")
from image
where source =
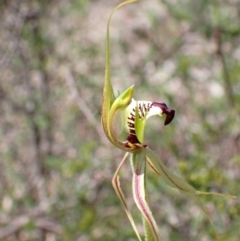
[(143, 109), (167, 111), (138, 171)]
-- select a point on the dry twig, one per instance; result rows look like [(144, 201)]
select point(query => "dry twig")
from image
[(83, 106)]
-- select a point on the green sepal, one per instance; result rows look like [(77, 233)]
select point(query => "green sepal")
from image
[(108, 94)]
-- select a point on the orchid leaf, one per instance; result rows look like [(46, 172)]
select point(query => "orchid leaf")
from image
[(139, 194)]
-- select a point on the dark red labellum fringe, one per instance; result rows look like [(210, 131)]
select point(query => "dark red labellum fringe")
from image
[(167, 111)]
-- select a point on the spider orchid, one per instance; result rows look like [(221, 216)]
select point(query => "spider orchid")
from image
[(123, 121)]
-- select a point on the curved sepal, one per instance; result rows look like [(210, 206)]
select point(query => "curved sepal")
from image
[(170, 178), (176, 182), (118, 190), (109, 100)]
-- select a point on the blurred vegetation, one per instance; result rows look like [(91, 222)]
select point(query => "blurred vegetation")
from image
[(55, 163)]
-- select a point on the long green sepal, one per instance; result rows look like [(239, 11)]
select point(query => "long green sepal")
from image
[(173, 180), (170, 178), (215, 194), (180, 184), (108, 95), (139, 194)]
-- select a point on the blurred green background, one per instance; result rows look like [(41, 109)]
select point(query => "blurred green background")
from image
[(56, 165)]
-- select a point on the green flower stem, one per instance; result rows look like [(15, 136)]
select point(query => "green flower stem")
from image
[(147, 229), (148, 232)]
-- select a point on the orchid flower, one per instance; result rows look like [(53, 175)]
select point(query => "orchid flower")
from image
[(123, 121)]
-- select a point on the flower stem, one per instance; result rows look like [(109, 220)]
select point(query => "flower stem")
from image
[(148, 232), (147, 229)]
